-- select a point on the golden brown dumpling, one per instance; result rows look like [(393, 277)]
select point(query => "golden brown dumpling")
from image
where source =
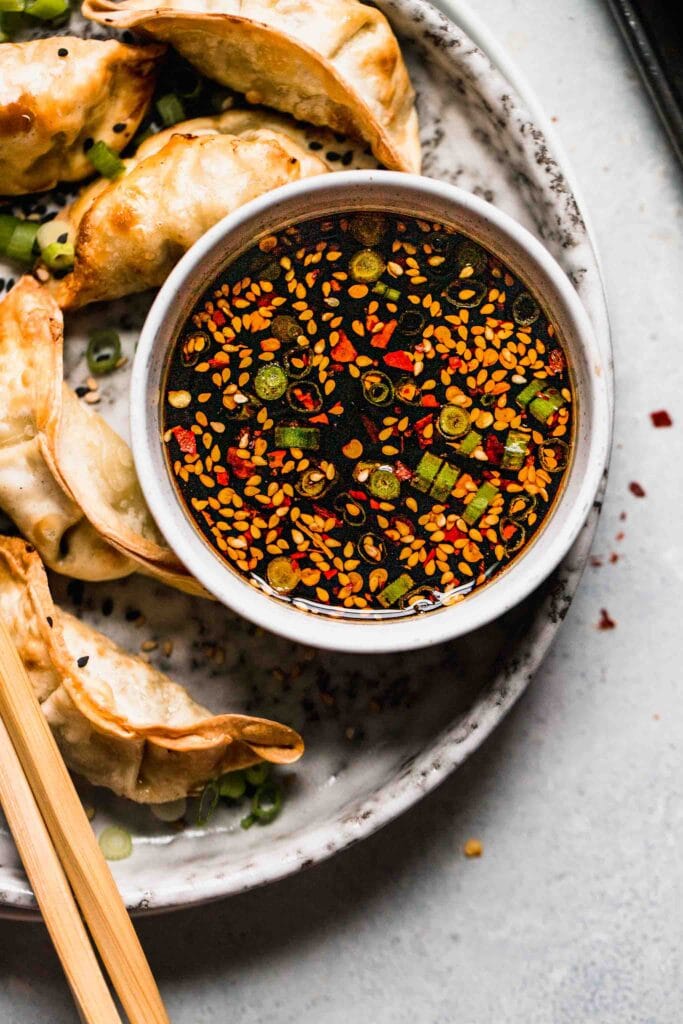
[(129, 233), (55, 94), (66, 478), (119, 722), (333, 63)]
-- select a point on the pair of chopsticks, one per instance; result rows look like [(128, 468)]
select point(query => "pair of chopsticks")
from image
[(64, 863)]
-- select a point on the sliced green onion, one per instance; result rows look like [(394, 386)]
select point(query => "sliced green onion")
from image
[(58, 255), (525, 310), (104, 350), (545, 405), (270, 382), (444, 482), (257, 774), (389, 294), (521, 505), (283, 574), (208, 802), (465, 294), (11, 22), (54, 230), (194, 92), (171, 109), (297, 437), (366, 266), (479, 503), (305, 398), (397, 589), (377, 387), (172, 810), (47, 10), (384, 485), (469, 443), (425, 473), (266, 803), (368, 228), (453, 422), (115, 843), (232, 786), (17, 238), (516, 448), (285, 328), (529, 392), (104, 160), (11, 5)]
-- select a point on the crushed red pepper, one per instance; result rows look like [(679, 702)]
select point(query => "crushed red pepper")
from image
[(661, 418), (606, 621), (377, 427), (636, 489)]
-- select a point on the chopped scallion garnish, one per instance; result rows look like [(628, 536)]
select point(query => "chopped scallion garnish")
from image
[(171, 109), (104, 350), (266, 803), (208, 802), (58, 255), (257, 774), (47, 10), (21, 243), (116, 843), (105, 160)]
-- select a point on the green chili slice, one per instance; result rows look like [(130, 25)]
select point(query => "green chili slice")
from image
[(270, 382), (479, 503), (377, 387), (545, 405), (425, 473), (525, 310), (305, 397), (368, 228), (312, 483), (193, 346), (366, 266), (297, 363), (208, 802), (105, 161), (58, 255), (469, 443), (384, 484), (407, 391), (397, 589), (465, 294), (266, 803), (297, 437), (512, 534), (232, 785), (352, 511), (521, 505), (516, 448), (529, 392), (171, 109), (372, 548), (104, 350), (444, 482), (285, 328), (468, 254), (554, 455), (453, 422), (411, 322), (283, 574)]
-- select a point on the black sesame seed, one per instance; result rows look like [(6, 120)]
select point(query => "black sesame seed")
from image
[(10, 284), (82, 662), (88, 144), (2, 283), (333, 156), (81, 391), (119, 127), (50, 621), (347, 157), (107, 606), (62, 52), (132, 614), (315, 145), (63, 237)]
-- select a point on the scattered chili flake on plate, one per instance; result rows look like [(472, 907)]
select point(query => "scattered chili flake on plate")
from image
[(661, 418), (636, 489), (606, 622), (374, 419)]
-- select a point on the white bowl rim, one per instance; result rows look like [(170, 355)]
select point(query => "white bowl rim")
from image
[(520, 579)]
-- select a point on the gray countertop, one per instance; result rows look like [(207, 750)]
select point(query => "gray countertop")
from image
[(573, 913)]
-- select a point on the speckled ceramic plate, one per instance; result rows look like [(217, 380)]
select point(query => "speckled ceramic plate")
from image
[(381, 731)]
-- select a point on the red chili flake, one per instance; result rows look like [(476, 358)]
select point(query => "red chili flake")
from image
[(221, 359), (430, 557), (382, 338), (606, 622), (330, 574), (614, 557), (343, 351), (661, 418), (303, 397), (358, 495), (420, 425), (335, 286), (622, 516), (222, 478), (494, 449), (218, 318), (242, 468), (429, 401), (187, 442), (454, 362), (620, 535), (276, 458), (556, 361), (596, 561), (635, 488), (373, 432), (320, 418), (337, 409), (401, 360), (375, 504), (402, 471), (298, 555), (454, 534)]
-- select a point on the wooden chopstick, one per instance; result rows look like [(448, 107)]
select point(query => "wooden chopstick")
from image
[(74, 840), (52, 892)]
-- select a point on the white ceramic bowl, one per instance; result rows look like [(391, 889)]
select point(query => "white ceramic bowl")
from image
[(410, 195)]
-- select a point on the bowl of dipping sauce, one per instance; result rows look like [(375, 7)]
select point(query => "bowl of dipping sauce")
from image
[(369, 412)]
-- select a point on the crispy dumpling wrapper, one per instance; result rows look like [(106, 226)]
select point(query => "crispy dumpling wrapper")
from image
[(330, 63), (119, 722), (129, 233), (50, 105), (66, 478)]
